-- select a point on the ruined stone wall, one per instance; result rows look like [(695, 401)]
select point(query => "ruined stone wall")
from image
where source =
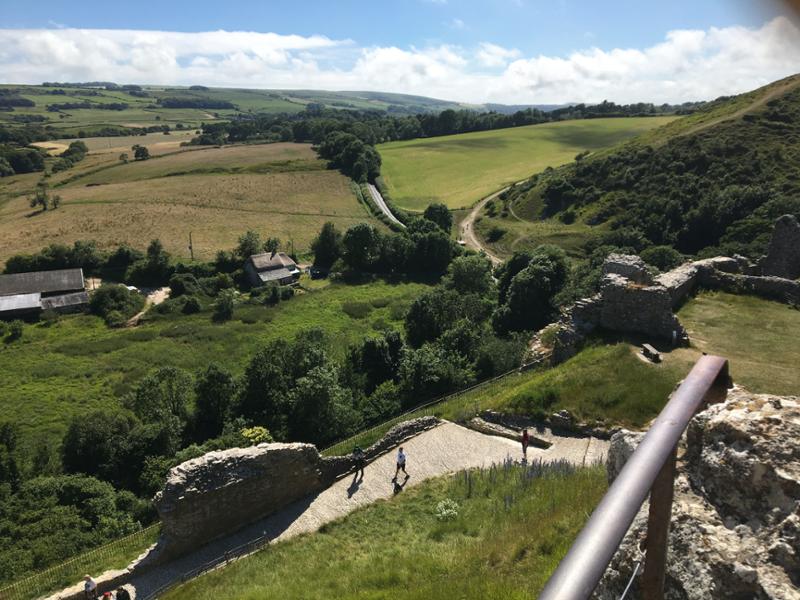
[(783, 256), (634, 308), (220, 492), (735, 530)]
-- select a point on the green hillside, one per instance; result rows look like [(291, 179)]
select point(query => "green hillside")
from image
[(710, 183), (145, 106), (458, 170)]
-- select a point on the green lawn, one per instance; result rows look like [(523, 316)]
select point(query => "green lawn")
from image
[(511, 529), (458, 170), (78, 364), (759, 337)]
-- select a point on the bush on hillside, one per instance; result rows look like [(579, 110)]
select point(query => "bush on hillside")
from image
[(115, 303)]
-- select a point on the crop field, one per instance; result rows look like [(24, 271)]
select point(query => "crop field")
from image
[(157, 143), (280, 190), (459, 170), (79, 364)]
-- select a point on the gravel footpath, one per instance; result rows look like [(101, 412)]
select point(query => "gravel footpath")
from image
[(444, 449)]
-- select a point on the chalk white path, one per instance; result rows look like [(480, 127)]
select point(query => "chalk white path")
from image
[(381, 204), (447, 448)]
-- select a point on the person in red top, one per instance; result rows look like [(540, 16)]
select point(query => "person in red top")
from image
[(525, 441)]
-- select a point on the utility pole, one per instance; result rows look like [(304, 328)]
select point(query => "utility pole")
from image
[(191, 246)]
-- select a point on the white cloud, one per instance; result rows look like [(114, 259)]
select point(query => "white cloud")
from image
[(686, 65), (492, 55), (456, 23)]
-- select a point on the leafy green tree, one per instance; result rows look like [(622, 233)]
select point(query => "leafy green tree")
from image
[(163, 395), (263, 396), (361, 246), (215, 391), (327, 246), (92, 446), (223, 307), (470, 275), (322, 409), (439, 214), (140, 152), (508, 270), (432, 253), (249, 244), (9, 471), (430, 315), (117, 298), (530, 298), (5, 168), (272, 244)]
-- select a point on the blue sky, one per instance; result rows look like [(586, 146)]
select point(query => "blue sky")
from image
[(533, 26), (469, 50)]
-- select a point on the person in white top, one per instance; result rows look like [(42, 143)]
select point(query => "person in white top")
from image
[(401, 464), (89, 587)]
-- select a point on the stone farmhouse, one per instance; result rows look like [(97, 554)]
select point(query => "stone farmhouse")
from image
[(271, 266)]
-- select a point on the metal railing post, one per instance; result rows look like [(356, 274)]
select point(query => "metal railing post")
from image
[(658, 520)]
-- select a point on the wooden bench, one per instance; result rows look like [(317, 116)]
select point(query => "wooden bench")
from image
[(651, 353)]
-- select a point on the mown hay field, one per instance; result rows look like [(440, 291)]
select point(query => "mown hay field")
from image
[(459, 170), (157, 143), (279, 190)]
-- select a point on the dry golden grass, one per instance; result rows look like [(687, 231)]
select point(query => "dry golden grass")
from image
[(215, 208), (157, 143), (207, 159)]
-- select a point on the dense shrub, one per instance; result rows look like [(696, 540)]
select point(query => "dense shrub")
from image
[(115, 303)]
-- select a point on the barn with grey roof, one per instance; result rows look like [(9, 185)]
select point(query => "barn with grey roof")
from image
[(23, 294)]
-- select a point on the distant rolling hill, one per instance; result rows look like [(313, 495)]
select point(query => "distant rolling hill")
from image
[(712, 182), (85, 108)]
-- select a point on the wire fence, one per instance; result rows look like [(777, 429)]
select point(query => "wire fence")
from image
[(116, 554)]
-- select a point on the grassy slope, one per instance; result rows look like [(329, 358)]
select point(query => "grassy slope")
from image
[(281, 190), (610, 383), (523, 223), (79, 364), (460, 169), (759, 338), (509, 536)]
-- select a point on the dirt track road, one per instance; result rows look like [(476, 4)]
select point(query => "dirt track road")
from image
[(468, 229)]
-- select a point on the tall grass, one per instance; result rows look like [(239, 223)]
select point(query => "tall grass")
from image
[(500, 534)]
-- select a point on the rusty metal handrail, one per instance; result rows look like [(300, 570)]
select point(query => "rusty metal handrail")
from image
[(650, 468)]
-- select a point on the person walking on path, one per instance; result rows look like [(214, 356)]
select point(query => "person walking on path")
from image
[(401, 464), (360, 460), (89, 588), (525, 441)]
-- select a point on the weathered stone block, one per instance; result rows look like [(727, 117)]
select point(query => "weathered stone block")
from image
[(783, 256), (629, 266)]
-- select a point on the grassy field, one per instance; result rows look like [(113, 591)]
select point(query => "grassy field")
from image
[(458, 170), (759, 338), (78, 364), (512, 527), (280, 190)]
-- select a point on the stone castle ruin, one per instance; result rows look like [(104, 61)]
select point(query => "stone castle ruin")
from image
[(631, 300)]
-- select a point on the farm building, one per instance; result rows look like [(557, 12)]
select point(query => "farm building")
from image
[(23, 294), (271, 266)]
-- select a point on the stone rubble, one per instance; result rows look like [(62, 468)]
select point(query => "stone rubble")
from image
[(735, 529)]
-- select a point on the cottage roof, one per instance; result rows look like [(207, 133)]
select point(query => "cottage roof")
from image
[(20, 302), (44, 282), (268, 261), (275, 274)]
